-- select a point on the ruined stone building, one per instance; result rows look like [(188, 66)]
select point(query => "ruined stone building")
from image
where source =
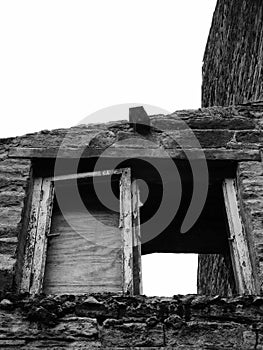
[(69, 280)]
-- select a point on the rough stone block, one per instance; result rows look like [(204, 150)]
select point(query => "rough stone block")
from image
[(8, 246), (10, 216), (206, 334), (247, 137), (10, 198), (187, 138), (91, 308), (75, 327), (7, 266), (61, 345), (13, 325), (132, 334), (8, 230), (250, 185)]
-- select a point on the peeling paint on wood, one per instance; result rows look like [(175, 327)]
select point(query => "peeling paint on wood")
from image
[(31, 236), (88, 174), (41, 221), (137, 260), (238, 243), (43, 227), (126, 210)]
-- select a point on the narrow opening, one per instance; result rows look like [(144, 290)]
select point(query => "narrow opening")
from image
[(169, 274)]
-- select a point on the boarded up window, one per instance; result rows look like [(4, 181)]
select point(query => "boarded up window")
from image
[(86, 247)]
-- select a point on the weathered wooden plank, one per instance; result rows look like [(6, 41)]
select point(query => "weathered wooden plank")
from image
[(88, 174), (31, 236), (126, 215), (210, 153), (137, 261), (43, 227), (238, 243), (85, 253)]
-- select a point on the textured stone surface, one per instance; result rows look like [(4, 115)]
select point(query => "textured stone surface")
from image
[(226, 335), (232, 70), (224, 133), (232, 74), (181, 322), (14, 182), (132, 334), (215, 275), (250, 181), (228, 128)]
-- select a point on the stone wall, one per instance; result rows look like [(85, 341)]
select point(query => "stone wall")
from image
[(250, 183), (233, 60), (118, 322), (14, 185), (189, 322), (232, 74), (215, 275), (230, 133)]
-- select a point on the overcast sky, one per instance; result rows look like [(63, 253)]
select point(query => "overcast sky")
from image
[(63, 60)]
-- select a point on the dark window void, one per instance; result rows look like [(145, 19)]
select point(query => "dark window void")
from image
[(209, 234)]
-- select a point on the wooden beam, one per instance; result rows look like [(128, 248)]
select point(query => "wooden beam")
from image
[(238, 242), (88, 174), (31, 236), (137, 251), (125, 152), (43, 227), (126, 224)]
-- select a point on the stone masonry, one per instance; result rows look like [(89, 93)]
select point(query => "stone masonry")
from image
[(215, 319), (118, 322)]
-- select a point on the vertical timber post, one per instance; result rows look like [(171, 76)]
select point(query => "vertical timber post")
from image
[(238, 243), (126, 218)]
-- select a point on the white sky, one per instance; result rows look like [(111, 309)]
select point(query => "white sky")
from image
[(61, 61)]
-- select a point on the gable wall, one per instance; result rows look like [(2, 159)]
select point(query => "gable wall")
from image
[(233, 59), (233, 74)]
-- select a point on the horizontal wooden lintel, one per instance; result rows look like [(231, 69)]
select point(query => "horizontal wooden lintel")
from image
[(88, 174), (121, 152)]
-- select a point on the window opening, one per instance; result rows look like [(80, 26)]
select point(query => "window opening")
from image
[(85, 244), (167, 274), (111, 254)]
